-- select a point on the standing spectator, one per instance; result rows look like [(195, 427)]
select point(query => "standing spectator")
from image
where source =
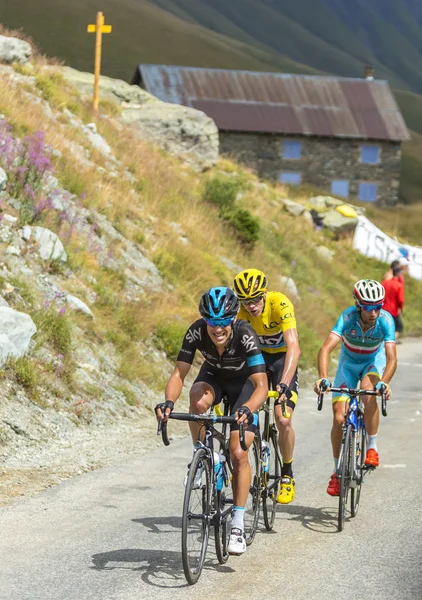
[(394, 296)]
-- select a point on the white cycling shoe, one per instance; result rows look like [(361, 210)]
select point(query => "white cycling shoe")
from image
[(237, 542)]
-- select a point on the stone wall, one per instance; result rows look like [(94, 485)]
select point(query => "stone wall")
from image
[(322, 161)]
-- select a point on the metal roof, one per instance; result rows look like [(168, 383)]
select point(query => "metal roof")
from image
[(281, 103)]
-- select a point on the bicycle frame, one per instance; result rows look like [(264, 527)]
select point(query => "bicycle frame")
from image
[(353, 417)]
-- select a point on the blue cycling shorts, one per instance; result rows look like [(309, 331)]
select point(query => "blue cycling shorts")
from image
[(350, 372)]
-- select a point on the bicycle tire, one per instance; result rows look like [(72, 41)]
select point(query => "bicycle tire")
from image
[(221, 529), (271, 482), (195, 531), (254, 497), (360, 462), (223, 516), (345, 473)]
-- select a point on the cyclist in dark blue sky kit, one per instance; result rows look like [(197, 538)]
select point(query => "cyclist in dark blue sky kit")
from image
[(233, 367)]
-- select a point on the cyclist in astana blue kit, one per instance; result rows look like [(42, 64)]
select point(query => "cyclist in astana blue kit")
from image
[(368, 354), (233, 367)]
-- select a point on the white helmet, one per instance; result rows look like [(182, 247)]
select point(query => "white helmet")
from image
[(368, 291)]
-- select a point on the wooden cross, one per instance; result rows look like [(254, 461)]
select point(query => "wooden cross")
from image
[(99, 28)]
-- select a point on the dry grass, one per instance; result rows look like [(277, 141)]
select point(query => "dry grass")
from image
[(163, 212)]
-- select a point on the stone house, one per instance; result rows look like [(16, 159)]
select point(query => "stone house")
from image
[(342, 135)]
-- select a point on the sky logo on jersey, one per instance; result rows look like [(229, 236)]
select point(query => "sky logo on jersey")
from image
[(193, 334), (249, 342)]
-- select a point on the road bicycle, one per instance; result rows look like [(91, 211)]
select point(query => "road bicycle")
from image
[(208, 500), (351, 464)]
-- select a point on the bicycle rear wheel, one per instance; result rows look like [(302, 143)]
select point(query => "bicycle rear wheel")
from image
[(254, 496), (360, 462), (271, 481), (196, 516), (345, 475)]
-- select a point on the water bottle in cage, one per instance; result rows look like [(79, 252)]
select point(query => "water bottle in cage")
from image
[(220, 477), (265, 455)]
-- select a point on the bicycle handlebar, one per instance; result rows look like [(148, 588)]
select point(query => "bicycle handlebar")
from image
[(162, 425), (354, 392)]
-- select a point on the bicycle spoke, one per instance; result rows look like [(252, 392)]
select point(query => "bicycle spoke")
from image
[(271, 482), (345, 474), (254, 496), (360, 462)]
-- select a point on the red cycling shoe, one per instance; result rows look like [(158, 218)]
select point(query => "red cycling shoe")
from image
[(333, 488), (372, 458)]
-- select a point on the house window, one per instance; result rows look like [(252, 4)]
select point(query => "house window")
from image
[(291, 150), (340, 187), (368, 192), (370, 155), (290, 178)]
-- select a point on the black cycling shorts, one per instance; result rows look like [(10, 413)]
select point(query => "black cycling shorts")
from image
[(275, 366), (237, 389)]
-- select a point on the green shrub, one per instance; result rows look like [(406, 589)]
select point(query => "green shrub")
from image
[(244, 223), (169, 337), (55, 328), (222, 191), (25, 373)]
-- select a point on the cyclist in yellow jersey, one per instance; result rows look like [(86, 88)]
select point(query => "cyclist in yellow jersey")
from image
[(271, 314)]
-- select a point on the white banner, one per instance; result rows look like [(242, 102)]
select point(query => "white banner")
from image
[(372, 242)]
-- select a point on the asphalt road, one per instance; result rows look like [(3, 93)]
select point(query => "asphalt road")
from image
[(114, 534)]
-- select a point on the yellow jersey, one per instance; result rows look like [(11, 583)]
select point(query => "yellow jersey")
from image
[(277, 317)]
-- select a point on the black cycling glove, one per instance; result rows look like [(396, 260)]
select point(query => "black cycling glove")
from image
[(244, 410), (163, 406), (283, 388)]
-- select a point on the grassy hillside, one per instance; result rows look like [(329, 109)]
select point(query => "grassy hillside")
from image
[(204, 249)]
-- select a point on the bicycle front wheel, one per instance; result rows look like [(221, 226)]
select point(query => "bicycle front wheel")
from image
[(360, 462), (345, 475), (271, 481), (222, 528), (254, 496), (196, 516)]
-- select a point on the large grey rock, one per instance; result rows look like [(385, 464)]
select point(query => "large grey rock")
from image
[(338, 224), (17, 329), (3, 180), (116, 90), (14, 50), (290, 287), (325, 253), (96, 139), (49, 245), (184, 132), (293, 208), (78, 305), (321, 202)]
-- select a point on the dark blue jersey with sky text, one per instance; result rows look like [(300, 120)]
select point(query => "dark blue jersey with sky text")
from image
[(241, 357)]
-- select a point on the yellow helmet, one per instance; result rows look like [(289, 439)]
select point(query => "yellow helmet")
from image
[(249, 284)]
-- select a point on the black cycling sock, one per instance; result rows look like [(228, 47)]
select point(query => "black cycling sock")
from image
[(287, 470)]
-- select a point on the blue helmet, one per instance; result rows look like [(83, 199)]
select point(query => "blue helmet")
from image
[(219, 303)]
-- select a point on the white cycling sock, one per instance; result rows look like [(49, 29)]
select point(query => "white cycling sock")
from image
[(238, 517), (372, 442), (335, 465)]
